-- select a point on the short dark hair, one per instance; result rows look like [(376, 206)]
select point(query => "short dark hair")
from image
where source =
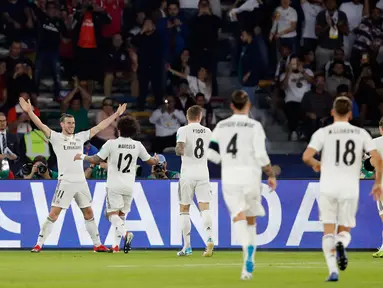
[(342, 88), (239, 99), (319, 74), (3, 114), (248, 30), (128, 127), (50, 3), (342, 105), (40, 158), (64, 116), (199, 94), (173, 2), (194, 112)]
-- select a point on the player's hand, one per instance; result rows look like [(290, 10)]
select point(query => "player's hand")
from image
[(121, 109), (25, 105), (316, 166), (77, 157), (272, 182), (155, 156), (376, 191), (11, 156)]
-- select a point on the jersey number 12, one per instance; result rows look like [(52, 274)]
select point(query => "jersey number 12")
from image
[(128, 158)]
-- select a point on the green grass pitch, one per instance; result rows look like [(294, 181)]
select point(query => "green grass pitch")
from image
[(160, 269)]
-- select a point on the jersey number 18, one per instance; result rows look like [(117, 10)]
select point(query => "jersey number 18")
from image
[(348, 154)]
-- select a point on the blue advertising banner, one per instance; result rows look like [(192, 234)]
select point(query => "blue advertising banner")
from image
[(291, 221)]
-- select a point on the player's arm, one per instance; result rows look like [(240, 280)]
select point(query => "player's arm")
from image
[(315, 145), (144, 156), (181, 139), (95, 159), (213, 153), (377, 162), (105, 123), (180, 148), (27, 107)]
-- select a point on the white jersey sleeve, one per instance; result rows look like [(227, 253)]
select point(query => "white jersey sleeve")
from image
[(181, 135), (213, 154), (55, 137), (317, 140), (105, 150), (83, 136), (143, 154), (368, 144), (259, 144)]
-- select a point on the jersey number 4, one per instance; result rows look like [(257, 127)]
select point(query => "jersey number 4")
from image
[(232, 146), (348, 154), (128, 158)]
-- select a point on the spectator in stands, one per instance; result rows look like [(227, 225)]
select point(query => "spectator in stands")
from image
[(15, 57), (89, 150), (77, 104), (308, 59), (368, 40), (184, 100), (18, 120), (284, 25), (209, 118), (250, 65), (114, 9), (367, 95), (160, 170), (87, 24), (354, 11), (182, 65), (3, 87), (336, 78), (97, 172), (111, 131), (339, 56), (284, 60), (200, 84), (167, 120), (203, 42), (5, 173), (18, 19), (316, 106), (9, 144), (295, 82), (150, 63), (173, 32), (344, 90), (51, 27), (331, 26), (117, 64), (311, 9), (38, 169)]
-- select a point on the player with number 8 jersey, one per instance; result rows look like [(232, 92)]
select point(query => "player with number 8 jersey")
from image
[(192, 144)]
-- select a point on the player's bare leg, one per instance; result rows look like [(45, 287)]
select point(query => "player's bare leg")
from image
[(379, 253), (185, 228), (91, 227), (328, 247), (207, 223), (242, 232), (46, 228), (342, 240)]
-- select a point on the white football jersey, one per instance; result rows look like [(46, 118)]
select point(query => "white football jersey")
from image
[(379, 145), (122, 154), (342, 146), (194, 161), (240, 143), (65, 148)]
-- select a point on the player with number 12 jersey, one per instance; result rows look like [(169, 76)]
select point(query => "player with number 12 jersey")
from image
[(192, 144)]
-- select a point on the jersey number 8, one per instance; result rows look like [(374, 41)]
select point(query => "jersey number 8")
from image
[(198, 150)]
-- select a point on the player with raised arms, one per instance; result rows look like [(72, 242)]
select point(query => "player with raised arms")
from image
[(341, 145), (238, 142), (192, 143), (122, 154), (71, 181)]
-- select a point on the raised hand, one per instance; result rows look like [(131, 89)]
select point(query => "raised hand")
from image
[(25, 105), (121, 109)]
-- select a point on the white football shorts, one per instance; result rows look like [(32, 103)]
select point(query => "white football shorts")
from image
[(187, 189), (338, 211), (118, 202), (243, 198), (66, 191)]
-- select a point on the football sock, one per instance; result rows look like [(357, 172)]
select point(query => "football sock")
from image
[(118, 224), (45, 231), (92, 229), (207, 223), (186, 228), (328, 247)]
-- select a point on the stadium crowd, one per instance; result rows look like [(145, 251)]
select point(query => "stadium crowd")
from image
[(303, 53)]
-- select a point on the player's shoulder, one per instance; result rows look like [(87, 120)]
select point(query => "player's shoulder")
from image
[(182, 128), (378, 140)]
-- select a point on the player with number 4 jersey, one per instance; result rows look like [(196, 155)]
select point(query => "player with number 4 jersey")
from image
[(342, 146), (239, 144), (122, 154), (192, 144)]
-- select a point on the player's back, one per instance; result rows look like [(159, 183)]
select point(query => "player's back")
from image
[(194, 161), (341, 159), (241, 142), (122, 161)]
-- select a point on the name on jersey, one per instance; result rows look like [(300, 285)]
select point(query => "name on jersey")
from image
[(72, 146), (127, 146), (237, 124), (344, 131), (199, 131)]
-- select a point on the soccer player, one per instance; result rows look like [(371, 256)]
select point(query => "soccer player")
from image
[(342, 146), (369, 164), (122, 154), (72, 182), (192, 143), (239, 144)]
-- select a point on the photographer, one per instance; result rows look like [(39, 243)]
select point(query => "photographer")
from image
[(160, 171), (97, 172), (38, 169)]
